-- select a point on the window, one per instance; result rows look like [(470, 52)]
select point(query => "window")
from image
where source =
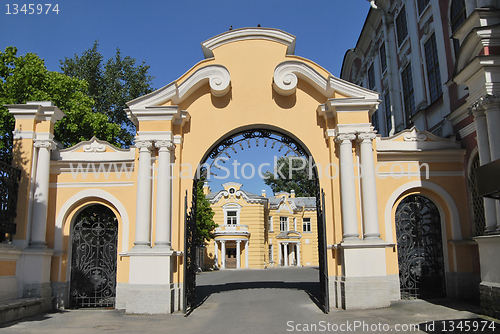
[(408, 94), (433, 72), (306, 225), (387, 107), (271, 255), (375, 123), (476, 201), (383, 58), (270, 222), (401, 27), (283, 224), (231, 217), (295, 224), (371, 77), (421, 5), (457, 17)]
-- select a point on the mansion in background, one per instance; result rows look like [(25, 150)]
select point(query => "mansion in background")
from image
[(257, 232)]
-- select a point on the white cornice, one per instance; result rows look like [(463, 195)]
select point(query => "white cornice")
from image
[(158, 113), (216, 75), (467, 130), (350, 104), (38, 110), (243, 34), (459, 114)]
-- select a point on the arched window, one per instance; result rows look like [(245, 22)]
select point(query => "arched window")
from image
[(457, 17), (476, 201)]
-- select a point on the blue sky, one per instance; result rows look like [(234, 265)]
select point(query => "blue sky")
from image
[(167, 34)]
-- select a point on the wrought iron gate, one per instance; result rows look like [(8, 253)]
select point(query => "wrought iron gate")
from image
[(190, 266), (322, 252), (9, 184), (420, 250), (94, 255)]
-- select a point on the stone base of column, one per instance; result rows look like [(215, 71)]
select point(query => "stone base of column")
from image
[(353, 293), (60, 295), (34, 275), (364, 283), (150, 289), (462, 285), (489, 289)]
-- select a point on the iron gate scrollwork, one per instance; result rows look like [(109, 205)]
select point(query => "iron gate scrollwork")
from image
[(94, 256), (420, 250), (322, 251), (190, 266)]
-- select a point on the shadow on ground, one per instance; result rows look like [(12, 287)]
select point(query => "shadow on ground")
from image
[(311, 288), (37, 317)]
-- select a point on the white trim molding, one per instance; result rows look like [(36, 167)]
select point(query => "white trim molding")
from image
[(62, 215), (287, 73), (244, 34), (217, 76)]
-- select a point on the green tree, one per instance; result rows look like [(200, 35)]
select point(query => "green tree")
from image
[(205, 224), (25, 78), (111, 85), (300, 178)]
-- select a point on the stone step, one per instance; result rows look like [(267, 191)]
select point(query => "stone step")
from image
[(15, 309)]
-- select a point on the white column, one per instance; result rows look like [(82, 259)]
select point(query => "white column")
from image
[(368, 186), (247, 265), (41, 195), (216, 254), (492, 111), (163, 195), (285, 251), (223, 254), (143, 202), (347, 187), (297, 246), (483, 146), (238, 257), (280, 252)]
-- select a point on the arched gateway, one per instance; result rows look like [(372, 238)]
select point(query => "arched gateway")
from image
[(250, 79)]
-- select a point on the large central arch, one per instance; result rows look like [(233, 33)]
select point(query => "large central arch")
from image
[(293, 144)]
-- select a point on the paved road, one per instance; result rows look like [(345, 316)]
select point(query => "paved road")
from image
[(257, 301)]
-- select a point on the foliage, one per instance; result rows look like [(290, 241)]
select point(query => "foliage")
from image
[(25, 78), (301, 180), (111, 85), (205, 224)]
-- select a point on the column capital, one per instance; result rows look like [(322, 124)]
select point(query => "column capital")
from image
[(345, 138), (164, 145), (45, 143), (238, 241), (366, 137), (222, 241), (482, 104), (144, 145)]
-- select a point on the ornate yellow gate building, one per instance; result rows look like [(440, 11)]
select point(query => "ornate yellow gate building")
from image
[(250, 79)]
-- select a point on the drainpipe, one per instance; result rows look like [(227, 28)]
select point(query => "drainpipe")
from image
[(391, 62)]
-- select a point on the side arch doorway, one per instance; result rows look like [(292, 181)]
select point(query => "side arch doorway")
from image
[(420, 249), (94, 241), (225, 147)]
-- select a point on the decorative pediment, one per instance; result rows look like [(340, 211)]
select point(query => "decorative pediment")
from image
[(414, 140), (94, 150)]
